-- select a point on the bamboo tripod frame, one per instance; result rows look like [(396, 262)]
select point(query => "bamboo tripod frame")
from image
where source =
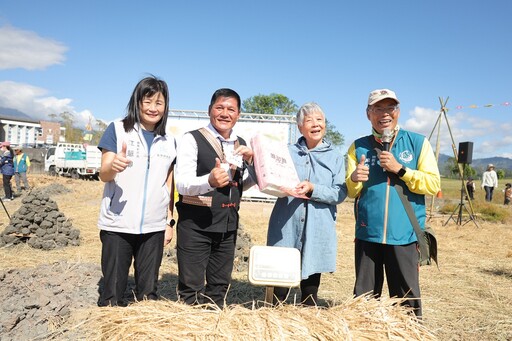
[(442, 113)]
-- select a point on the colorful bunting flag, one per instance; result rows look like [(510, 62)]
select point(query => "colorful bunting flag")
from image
[(474, 106)]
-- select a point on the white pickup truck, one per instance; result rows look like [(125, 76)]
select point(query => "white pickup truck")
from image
[(74, 160)]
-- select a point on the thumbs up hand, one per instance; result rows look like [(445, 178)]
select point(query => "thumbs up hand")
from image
[(362, 172), (120, 161), (218, 175)]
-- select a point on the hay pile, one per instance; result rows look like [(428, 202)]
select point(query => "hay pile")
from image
[(357, 319)]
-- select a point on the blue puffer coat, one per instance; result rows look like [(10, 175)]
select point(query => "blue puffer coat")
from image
[(6, 163)]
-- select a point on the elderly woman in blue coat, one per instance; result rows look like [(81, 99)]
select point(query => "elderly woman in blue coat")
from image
[(306, 218)]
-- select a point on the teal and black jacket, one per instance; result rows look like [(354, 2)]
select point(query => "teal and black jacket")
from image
[(380, 214)]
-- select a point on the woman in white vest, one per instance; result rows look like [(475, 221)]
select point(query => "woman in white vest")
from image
[(136, 210)]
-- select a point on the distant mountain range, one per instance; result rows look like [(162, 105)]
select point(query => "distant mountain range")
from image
[(480, 165), (6, 112)]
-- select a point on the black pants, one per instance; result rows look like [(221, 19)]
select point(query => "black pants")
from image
[(117, 252), (308, 291), (7, 185), (204, 256), (400, 263), (471, 192)]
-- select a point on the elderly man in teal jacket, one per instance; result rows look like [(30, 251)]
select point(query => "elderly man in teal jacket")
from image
[(385, 238)]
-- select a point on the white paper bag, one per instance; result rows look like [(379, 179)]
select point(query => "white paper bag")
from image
[(273, 165)]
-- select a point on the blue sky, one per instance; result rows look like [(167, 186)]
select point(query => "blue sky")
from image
[(86, 56)]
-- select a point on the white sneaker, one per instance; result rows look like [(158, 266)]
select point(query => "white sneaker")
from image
[(6, 199)]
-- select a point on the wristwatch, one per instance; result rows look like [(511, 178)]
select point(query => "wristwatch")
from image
[(171, 222), (402, 171)]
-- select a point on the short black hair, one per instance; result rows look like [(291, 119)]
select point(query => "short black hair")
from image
[(225, 92)]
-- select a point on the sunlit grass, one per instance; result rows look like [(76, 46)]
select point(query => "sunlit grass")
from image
[(494, 211)]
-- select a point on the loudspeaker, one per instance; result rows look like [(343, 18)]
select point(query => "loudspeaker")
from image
[(465, 152)]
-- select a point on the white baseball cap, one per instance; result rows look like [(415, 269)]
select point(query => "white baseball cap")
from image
[(380, 94)]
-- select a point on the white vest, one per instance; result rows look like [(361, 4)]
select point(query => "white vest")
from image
[(136, 201)]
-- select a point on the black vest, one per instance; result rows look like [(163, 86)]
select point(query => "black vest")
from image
[(222, 216)]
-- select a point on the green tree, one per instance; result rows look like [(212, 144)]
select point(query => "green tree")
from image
[(67, 121), (73, 134), (500, 173), (278, 104), (452, 169), (101, 126), (469, 171), (275, 104), (333, 135)]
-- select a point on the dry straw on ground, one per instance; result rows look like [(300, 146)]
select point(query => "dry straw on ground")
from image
[(356, 319)]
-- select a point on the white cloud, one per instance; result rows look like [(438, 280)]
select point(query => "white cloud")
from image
[(489, 139), (422, 120), (36, 103), (27, 50)]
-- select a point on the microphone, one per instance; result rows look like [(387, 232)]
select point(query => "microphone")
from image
[(387, 137)]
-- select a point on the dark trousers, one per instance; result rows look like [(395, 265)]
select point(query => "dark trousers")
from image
[(7, 185), (117, 252), (400, 263), (488, 192), (308, 291), (204, 256), (471, 192)]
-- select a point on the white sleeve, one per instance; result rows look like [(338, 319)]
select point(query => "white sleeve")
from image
[(187, 183)]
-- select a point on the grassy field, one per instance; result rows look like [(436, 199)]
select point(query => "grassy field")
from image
[(467, 298), (490, 212)]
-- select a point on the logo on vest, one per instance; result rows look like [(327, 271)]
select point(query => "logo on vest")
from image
[(406, 156)]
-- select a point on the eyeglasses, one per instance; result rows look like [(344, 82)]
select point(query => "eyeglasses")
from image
[(382, 110)]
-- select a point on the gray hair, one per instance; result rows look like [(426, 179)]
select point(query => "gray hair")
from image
[(307, 109)]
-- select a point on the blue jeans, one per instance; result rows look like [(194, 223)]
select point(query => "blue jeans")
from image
[(488, 193)]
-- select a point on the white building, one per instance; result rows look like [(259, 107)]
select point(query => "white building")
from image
[(28, 132)]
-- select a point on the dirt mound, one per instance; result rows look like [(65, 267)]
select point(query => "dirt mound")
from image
[(40, 224), (55, 189), (37, 301)]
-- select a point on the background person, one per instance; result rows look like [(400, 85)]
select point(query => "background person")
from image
[(7, 169), (306, 219), (385, 239), (135, 217), (508, 194), (489, 182), (470, 186), (211, 173), (21, 169)]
